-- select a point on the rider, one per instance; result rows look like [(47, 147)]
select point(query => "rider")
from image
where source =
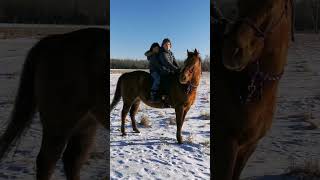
[(167, 59), (161, 64), (155, 69)]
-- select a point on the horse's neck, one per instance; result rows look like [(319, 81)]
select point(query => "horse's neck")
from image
[(196, 77), (274, 56)]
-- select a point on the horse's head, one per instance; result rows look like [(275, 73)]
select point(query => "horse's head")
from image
[(246, 39), (191, 67)]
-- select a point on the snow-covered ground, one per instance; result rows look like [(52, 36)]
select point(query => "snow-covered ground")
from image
[(154, 153), (20, 162)]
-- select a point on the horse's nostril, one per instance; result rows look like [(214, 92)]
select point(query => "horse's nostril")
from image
[(236, 51)]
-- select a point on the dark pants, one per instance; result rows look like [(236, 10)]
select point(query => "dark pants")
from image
[(156, 81)]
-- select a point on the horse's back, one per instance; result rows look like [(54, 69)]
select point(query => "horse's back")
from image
[(137, 78), (134, 75), (135, 83)]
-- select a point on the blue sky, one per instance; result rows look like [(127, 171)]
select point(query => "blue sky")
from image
[(136, 24)]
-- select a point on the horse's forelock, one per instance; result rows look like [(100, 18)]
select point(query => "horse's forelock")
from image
[(255, 8), (191, 59)]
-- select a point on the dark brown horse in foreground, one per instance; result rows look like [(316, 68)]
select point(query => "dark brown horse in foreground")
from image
[(246, 76), (62, 79), (134, 87)]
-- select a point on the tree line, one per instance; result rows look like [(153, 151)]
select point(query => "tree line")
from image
[(55, 12), (144, 64), (307, 14)]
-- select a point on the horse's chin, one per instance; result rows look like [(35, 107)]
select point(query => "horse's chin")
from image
[(235, 68), (183, 82)]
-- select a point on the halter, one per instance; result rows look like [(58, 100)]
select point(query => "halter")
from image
[(258, 78), (190, 86)]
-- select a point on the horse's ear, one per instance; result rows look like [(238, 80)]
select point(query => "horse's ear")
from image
[(188, 52), (196, 51)]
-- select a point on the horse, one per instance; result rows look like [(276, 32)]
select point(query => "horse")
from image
[(63, 80), (246, 74), (135, 86)]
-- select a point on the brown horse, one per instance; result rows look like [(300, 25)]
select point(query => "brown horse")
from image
[(246, 77), (134, 87), (62, 79)]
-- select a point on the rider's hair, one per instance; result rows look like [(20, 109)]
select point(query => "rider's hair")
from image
[(165, 40), (154, 45)]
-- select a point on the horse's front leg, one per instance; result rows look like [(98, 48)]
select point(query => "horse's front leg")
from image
[(179, 121), (226, 155)]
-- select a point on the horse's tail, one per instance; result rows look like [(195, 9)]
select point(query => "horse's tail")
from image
[(117, 94), (24, 106)]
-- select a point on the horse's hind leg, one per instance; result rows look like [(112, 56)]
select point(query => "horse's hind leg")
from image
[(133, 111), (77, 151), (125, 110), (50, 151)]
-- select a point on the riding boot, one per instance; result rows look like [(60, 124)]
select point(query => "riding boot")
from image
[(154, 96)]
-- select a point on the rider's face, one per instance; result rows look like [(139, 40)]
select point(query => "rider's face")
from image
[(167, 46)]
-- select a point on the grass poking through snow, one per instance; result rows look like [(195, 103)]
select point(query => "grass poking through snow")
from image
[(172, 121), (206, 143), (190, 138), (205, 115), (310, 170), (145, 122)]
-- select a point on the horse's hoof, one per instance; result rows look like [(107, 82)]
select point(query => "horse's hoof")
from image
[(136, 131), (124, 134)]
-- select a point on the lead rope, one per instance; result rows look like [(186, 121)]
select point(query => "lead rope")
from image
[(257, 83), (252, 86)]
